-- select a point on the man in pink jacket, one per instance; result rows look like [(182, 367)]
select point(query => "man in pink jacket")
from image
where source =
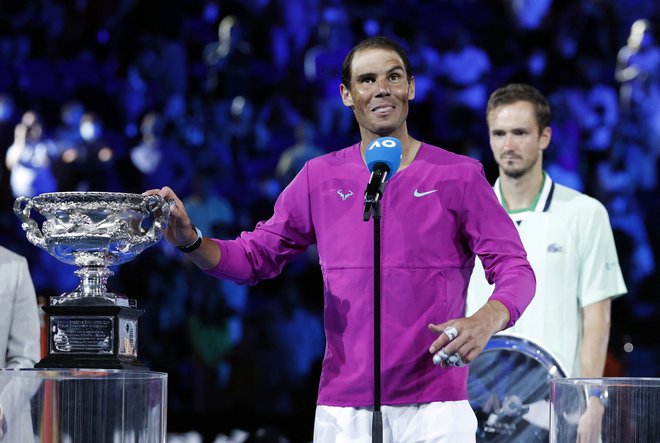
[(438, 211)]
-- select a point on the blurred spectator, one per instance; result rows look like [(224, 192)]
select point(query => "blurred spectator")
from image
[(426, 62), (213, 213), (299, 335), (134, 96), (158, 158), (274, 126), (465, 66), (322, 64), (564, 160), (213, 329), (29, 158), (617, 192), (16, 20), (463, 70), (595, 109), (292, 29), (7, 123), (599, 114), (229, 131), (528, 14), (586, 33), (200, 27), (294, 157), (67, 135), (89, 164), (230, 61), (638, 69)]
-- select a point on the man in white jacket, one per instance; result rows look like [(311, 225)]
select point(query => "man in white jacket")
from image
[(568, 239), (19, 343)]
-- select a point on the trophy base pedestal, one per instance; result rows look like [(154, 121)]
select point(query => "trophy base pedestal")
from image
[(88, 362), (92, 337)]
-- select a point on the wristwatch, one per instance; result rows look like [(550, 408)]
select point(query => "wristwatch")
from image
[(194, 245), (600, 393)]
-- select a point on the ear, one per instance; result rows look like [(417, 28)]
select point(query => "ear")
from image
[(411, 89), (346, 96), (544, 139)]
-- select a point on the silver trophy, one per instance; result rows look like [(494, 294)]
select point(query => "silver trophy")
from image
[(90, 327)]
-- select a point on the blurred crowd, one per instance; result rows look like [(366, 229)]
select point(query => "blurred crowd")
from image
[(224, 101)]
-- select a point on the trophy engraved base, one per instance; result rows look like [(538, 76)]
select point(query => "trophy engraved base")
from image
[(92, 336)]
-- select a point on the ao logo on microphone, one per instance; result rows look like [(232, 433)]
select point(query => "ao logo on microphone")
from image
[(386, 152), (383, 142)]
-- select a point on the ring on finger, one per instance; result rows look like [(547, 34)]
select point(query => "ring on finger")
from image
[(450, 332), (455, 360), (439, 357)]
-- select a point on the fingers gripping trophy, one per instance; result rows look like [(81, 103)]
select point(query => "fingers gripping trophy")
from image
[(91, 327)]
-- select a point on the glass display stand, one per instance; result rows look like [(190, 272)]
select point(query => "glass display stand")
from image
[(607, 410), (83, 405)]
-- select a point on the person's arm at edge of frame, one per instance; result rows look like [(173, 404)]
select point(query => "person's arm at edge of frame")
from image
[(595, 338), (596, 322), (180, 232), (23, 346), (598, 249)]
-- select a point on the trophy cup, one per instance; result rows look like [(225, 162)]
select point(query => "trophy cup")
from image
[(90, 327)]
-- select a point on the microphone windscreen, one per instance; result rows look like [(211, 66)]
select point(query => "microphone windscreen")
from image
[(386, 150)]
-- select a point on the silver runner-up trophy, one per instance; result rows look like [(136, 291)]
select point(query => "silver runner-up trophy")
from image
[(90, 327)]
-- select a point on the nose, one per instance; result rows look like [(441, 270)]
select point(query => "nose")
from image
[(507, 144), (383, 87)]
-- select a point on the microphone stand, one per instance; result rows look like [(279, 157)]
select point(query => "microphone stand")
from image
[(372, 208)]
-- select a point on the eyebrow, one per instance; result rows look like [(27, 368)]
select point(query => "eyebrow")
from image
[(372, 74), (516, 129)]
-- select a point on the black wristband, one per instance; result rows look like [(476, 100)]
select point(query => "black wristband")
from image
[(194, 245)]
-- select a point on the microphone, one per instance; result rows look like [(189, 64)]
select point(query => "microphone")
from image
[(383, 157)]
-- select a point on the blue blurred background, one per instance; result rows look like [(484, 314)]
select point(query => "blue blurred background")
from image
[(224, 100)]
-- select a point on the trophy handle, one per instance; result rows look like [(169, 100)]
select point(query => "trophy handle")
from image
[(160, 208), (29, 225)]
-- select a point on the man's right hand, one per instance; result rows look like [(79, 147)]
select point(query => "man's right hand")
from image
[(180, 231)]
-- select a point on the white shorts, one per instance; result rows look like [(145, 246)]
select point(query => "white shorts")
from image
[(439, 422)]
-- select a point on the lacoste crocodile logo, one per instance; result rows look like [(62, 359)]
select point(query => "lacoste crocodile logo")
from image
[(554, 247)]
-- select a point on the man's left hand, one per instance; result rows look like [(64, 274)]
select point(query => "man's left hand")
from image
[(471, 334), (590, 422)]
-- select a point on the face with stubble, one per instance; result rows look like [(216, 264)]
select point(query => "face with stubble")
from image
[(379, 91), (516, 140)]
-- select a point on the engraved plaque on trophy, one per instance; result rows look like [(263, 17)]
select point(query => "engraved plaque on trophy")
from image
[(91, 327)]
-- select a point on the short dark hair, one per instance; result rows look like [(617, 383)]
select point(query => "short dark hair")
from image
[(516, 92), (378, 42)]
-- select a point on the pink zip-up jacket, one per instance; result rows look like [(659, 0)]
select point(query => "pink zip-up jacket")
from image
[(436, 215)]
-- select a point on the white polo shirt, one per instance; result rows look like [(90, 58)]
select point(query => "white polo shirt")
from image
[(570, 245)]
